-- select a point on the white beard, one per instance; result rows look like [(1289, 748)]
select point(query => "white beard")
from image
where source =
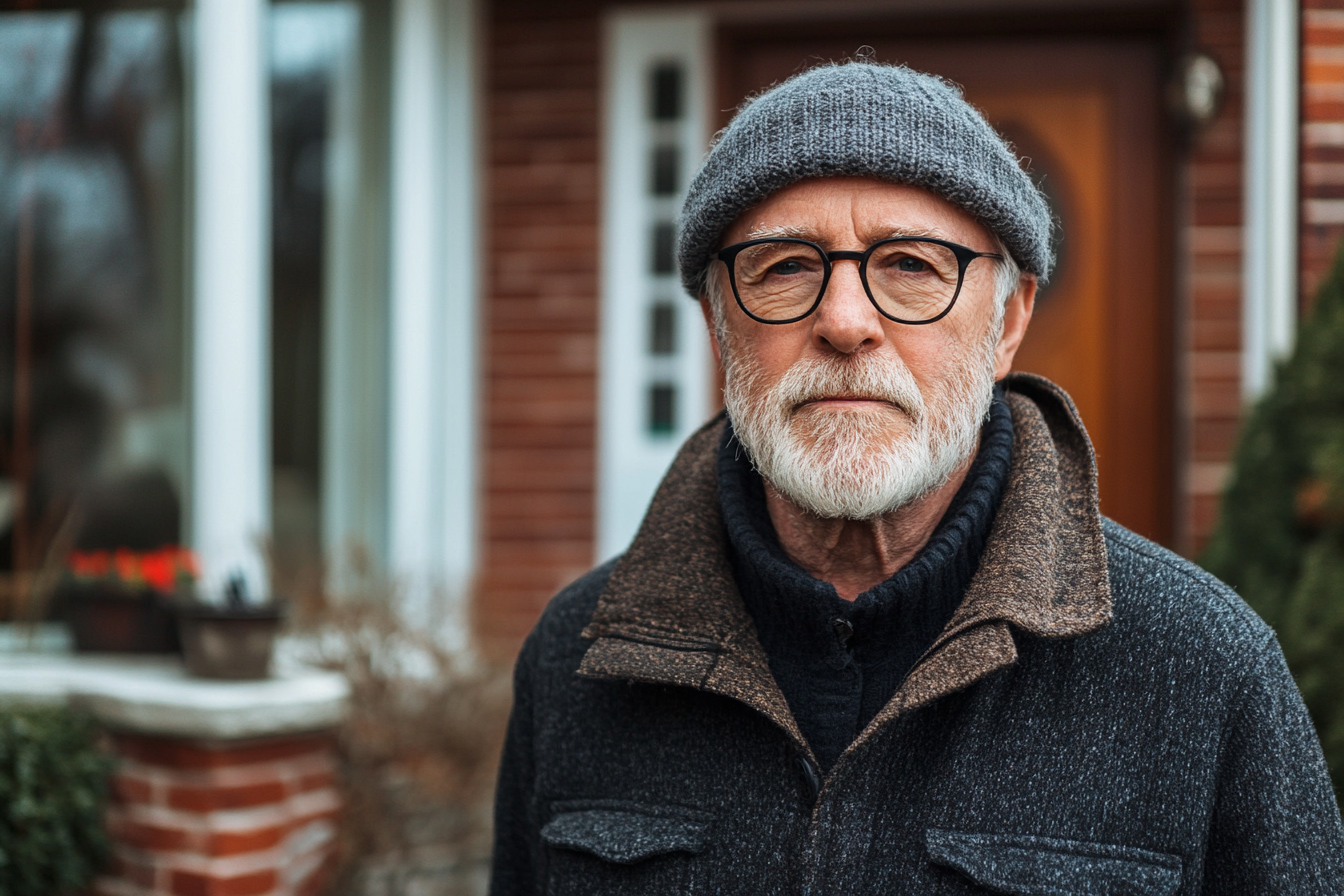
[(856, 464)]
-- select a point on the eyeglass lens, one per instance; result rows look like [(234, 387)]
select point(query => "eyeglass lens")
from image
[(910, 280)]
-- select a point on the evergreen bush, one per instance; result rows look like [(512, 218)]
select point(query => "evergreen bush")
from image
[(53, 789), (1280, 536)]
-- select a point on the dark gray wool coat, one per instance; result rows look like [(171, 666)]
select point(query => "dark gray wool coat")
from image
[(1099, 717)]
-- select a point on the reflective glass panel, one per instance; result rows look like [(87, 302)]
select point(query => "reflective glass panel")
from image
[(93, 415)]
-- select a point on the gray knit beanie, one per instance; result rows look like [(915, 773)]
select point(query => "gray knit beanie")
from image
[(857, 118)]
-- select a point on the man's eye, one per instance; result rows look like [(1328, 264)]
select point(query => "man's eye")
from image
[(787, 268), (908, 264)]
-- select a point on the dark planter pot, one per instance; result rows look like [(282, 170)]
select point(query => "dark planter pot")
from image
[(105, 618), (227, 642)]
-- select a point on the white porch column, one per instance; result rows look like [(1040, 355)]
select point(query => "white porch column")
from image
[(230, 506), (1269, 317), (433, 324)]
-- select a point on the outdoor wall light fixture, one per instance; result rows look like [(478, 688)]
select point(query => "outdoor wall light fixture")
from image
[(1195, 93)]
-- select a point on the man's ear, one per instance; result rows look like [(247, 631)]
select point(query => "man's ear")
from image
[(1016, 316), (709, 325)]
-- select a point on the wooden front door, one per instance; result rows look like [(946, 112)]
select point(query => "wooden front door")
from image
[(1087, 114)]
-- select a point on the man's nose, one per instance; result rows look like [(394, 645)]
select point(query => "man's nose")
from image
[(846, 321)]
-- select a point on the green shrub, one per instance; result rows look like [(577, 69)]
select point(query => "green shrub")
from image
[(1280, 536), (53, 788)]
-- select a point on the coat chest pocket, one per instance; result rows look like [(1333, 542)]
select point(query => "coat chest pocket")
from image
[(1045, 866), (599, 847)]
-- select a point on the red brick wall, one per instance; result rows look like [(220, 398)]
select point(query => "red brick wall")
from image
[(1209, 347), (542, 102), (240, 819), (1322, 183)]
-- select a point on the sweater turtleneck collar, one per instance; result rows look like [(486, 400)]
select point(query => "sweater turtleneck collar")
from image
[(806, 628)]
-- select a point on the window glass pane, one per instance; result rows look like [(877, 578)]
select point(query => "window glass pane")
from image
[(328, 289), (664, 248), (663, 171), (93, 417), (665, 92), (662, 409), (663, 329)]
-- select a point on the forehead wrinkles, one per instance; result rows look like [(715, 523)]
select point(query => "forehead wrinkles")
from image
[(868, 235)]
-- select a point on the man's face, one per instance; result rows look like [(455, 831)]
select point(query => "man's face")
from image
[(846, 412)]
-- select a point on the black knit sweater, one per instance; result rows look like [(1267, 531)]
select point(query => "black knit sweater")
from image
[(838, 662)]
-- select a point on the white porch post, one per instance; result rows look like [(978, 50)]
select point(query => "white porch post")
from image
[(459, 329), (230, 507), (433, 329), (1269, 318)]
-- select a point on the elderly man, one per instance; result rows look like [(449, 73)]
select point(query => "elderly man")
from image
[(874, 635)]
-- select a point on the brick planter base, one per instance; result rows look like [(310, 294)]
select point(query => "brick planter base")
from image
[(227, 818)]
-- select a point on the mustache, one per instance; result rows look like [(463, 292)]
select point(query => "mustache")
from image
[(854, 377)]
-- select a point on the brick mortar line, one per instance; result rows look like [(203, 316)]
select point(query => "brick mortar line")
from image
[(275, 858), (291, 810), (315, 763)]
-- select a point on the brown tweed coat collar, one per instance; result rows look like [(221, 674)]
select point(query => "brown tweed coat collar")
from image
[(671, 613)]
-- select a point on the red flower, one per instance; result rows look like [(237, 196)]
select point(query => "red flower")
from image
[(159, 569)]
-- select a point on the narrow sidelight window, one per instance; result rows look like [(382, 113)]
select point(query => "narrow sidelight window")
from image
[(663, 329), (664, 246), (662, 409), (663, 171), (665, 92)]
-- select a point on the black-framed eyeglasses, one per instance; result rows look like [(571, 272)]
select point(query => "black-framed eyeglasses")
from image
[(910, 280)]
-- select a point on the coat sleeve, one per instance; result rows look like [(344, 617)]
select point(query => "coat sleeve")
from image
[(1276, 825), (515, 861)]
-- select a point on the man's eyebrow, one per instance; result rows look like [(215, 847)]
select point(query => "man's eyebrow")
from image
[(908, 231), (781, 230), (797, 231)]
